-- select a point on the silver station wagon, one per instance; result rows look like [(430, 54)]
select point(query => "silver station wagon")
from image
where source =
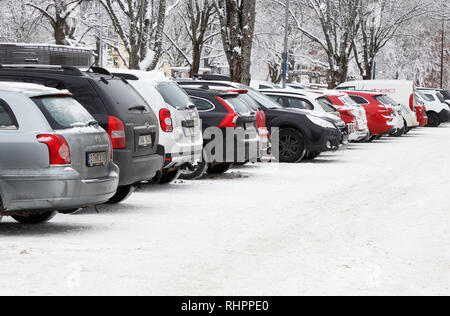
[(54, 157)]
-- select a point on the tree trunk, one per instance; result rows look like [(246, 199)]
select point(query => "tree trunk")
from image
[(196, 59)]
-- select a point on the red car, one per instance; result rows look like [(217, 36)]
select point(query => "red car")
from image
[(421, 112), (351, 113), (380, 118)]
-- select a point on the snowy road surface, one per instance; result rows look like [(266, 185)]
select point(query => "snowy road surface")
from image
[(373, 219)]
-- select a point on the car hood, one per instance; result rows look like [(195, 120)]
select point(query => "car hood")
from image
[(322, 115)]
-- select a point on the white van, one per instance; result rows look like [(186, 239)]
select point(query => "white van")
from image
[(401, 91)]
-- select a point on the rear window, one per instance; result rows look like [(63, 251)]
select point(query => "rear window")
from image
[(174, 95), (63, 112), (359, 100), (238, 105), (123, 94)]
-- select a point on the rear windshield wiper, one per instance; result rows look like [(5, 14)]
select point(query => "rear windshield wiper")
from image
[(141, 108)]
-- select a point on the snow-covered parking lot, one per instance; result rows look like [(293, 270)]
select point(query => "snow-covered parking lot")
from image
[(372, 219)]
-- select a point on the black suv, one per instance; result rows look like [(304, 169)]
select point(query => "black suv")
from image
[(225, 112), (118, 108), (299, 133)]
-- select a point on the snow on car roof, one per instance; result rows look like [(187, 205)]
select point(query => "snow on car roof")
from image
[(155, 76), (30, 89)]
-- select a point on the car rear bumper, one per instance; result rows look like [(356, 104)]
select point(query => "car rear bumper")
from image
[(177, 160), (359, 135), (55, 189), (137, 169)]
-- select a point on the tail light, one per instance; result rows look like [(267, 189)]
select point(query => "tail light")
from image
[(230, 118), (411, 102), (116, 131), (58, 149), (165, 118)]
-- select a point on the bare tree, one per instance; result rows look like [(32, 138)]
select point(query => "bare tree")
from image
[(379, 22), (140, 26), (59, 13), (237, 19), (338, 21), (200, 14)]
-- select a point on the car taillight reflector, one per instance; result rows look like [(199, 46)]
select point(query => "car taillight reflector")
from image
[(165, 119), (58, 149), (116, 131)]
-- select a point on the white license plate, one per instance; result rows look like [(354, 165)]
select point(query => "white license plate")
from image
[(97, 159), (145, 140), (189, 132), (249, 125)]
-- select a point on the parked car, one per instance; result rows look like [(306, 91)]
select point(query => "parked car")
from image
[(54, 156), (119, 109), (299, 133), (437, 109), (444, 93), (351, 113), (403, 92), (225, 111), (180, 129), (261, 84), (296, 86), (382, 118), (311, 104)]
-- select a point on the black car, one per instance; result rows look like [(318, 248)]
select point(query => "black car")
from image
[(299, 133), (223, 111), (118, 108)]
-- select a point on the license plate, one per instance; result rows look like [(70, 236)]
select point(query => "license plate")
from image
[(145, 140), (97, 159), (249, 126), (189, 132)]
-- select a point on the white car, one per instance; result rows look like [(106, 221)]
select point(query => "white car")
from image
[(438, 110), (180, 125), (312, 104), (402, 91)]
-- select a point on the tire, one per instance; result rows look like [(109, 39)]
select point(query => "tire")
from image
[(169, 176), (123, 193), (193, 172), (219, 168), (35, 219), (433, 120), (311, 156), (400, 132), (292, 146)]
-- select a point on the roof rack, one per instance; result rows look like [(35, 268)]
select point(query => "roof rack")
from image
[(212, 77), (125, 76), (66, 69)]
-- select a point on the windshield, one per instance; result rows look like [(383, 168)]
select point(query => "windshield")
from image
[(263, 100), (63, 112), (174, 95), (326, 104), (445, 94)]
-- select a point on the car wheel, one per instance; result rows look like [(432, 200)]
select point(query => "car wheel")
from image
[(292, 146), (169, 176), (219, 168), (400, 132), (35, 219), (123, 193), (311, 156), (433, 120), (193, 172)]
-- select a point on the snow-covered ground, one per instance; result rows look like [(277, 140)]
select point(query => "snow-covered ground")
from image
[(373, 219)]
